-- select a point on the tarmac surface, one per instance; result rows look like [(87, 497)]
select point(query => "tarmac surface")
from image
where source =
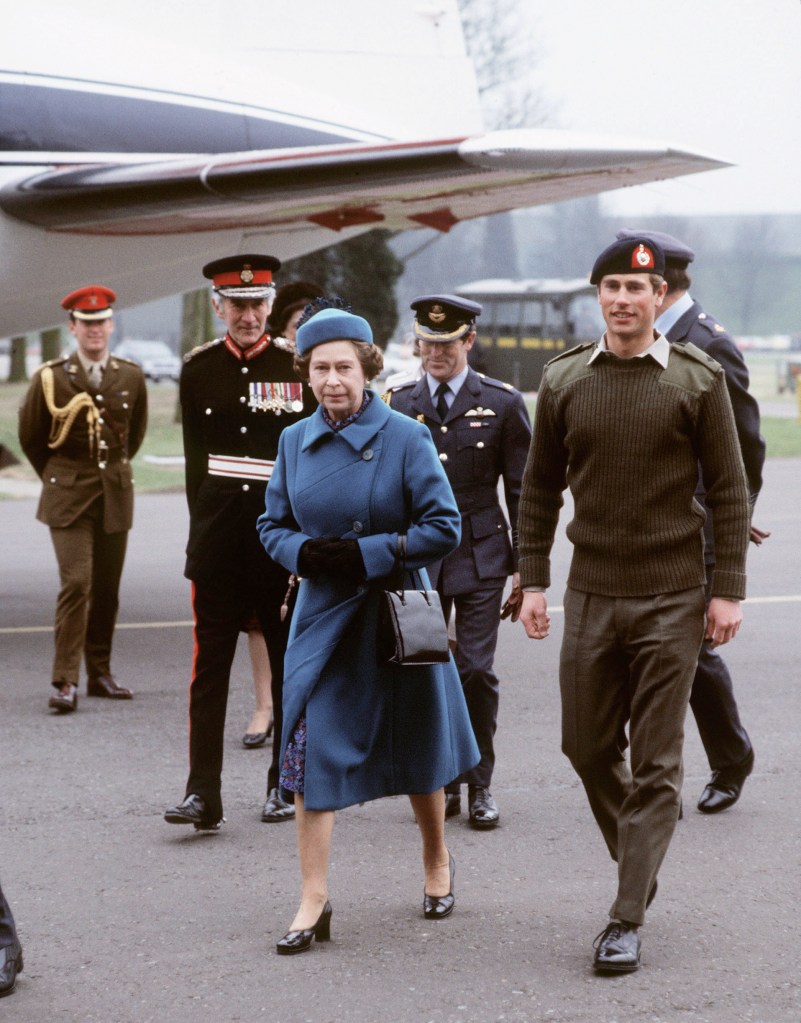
[(126, 919)]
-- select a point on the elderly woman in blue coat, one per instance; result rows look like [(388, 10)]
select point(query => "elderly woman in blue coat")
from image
[(347, 481)]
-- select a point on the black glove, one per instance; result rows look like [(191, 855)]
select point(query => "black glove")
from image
[(341, 558)]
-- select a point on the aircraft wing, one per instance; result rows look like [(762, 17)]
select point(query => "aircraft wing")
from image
[(395, 185)]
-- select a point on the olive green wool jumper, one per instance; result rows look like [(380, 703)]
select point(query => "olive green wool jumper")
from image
[(628, 437)]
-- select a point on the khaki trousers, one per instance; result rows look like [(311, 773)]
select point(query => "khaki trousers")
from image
[(630, 660), (90, 568)]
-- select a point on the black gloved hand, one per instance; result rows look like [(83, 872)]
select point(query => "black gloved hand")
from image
[(324, 556)]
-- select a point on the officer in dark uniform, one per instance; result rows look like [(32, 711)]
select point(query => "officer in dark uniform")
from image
[(726, 742), (82, 420), (482, 432), (237, 395)]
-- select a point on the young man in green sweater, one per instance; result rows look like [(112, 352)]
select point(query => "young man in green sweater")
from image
[(627, 422)]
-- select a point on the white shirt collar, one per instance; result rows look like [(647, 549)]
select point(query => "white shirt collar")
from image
[(455, 384), (659, 350), (671, 316)]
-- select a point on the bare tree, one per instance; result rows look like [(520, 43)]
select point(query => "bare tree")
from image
[(505, 54)]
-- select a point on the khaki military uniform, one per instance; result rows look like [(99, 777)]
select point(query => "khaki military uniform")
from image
[(80, 440)]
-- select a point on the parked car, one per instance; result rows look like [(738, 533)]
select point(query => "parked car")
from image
[(155, 358)]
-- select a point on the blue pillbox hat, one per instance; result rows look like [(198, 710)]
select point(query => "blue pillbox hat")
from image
[(332, 325)]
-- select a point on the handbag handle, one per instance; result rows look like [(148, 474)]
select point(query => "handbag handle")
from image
[(400, 568)]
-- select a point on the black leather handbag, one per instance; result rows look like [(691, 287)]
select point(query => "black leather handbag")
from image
[(411, 626)]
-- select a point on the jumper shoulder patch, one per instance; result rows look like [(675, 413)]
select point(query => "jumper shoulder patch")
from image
[(569, 365), (690, 368)]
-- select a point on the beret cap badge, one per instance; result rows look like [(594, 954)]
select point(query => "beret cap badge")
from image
[(643, 256)]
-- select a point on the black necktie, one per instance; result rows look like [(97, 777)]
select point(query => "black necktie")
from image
[(442, 405)]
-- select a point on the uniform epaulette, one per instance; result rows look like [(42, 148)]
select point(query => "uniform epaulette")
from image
[(386, 397), (128, 362), (202, 348), (58, 361), (694, 352), (492, 382), (284, 344), (586, 346), (711, 324)]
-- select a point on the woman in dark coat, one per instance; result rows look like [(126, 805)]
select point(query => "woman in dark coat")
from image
[(346, 483)]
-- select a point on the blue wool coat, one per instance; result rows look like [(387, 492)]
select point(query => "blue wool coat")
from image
[(373, 730)]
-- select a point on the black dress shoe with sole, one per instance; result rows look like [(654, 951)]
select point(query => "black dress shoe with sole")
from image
[(725, 786), (295, 942), (617, 948), (66, 699), (484, 811), (437, 907), (193, 811), (276, 809), (10, 965), (453, 804), (105, 685)]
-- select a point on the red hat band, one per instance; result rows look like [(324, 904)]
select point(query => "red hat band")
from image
[(244, 277)]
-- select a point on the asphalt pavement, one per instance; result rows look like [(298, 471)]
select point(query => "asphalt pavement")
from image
[(126, 919)]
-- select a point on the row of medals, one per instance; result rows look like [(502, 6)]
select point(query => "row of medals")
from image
[(277, 397)]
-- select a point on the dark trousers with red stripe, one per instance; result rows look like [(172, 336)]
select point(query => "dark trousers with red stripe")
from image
[(221, 604)]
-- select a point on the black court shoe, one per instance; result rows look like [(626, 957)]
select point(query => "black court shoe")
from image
[(437, 907), (301, 941)]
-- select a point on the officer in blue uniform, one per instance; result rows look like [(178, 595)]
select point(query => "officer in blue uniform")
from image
[(482, 431), (237, 394), (682, 319)]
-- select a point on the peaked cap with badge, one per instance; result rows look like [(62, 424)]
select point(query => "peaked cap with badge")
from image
[(245, 276), (443, 317), (93, 302)]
